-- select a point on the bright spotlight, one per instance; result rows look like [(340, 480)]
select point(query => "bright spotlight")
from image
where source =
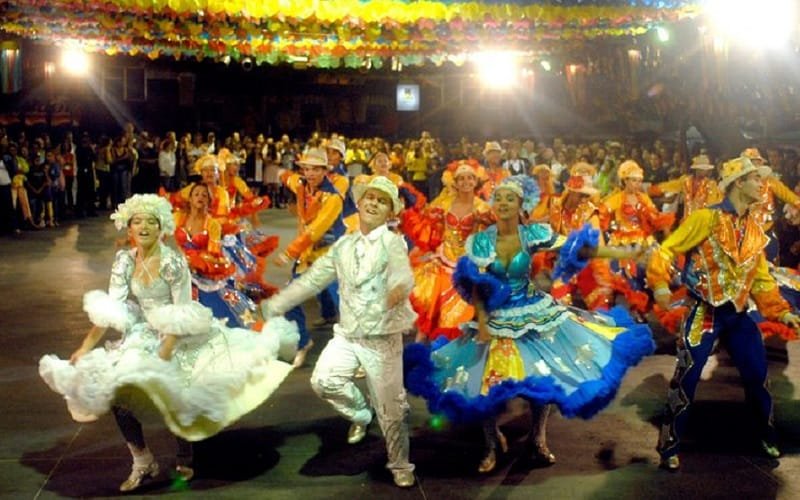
[(546, 65), (769, 24), (663, 34), (75, 62), (497, 69)]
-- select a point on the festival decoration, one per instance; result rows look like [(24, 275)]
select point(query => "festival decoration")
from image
[(331, 33)]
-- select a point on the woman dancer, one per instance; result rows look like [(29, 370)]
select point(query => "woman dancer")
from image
[(198, 235), (524, 344), (199, 374), (439, 234)]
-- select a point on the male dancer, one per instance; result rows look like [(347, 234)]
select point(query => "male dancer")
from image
[(319, 213), (725, 265), (375, 280)]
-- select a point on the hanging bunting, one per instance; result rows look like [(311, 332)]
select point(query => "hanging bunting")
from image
[(347, 32)]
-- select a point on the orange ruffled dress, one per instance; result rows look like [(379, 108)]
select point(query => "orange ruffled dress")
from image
[(439, 237)]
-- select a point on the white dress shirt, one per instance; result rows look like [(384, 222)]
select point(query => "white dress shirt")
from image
[(367, 268)]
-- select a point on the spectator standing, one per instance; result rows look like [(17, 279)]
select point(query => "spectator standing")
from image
[(85, 158)]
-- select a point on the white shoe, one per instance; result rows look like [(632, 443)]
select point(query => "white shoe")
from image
[(403, 478), (300, 357)]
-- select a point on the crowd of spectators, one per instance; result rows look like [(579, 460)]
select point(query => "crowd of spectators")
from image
[(46, 180)]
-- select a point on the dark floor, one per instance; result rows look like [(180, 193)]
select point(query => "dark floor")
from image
[(294, 445)]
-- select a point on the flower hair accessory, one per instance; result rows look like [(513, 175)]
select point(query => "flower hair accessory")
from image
[(524, 187), (150, 204)]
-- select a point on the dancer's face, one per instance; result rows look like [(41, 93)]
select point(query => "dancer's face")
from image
[(314, 174), (381, 164), (633, 185), (465, 183), (209, 175), (751, 186), (506, 204), (199, 197), (144, 229), (374, 209)]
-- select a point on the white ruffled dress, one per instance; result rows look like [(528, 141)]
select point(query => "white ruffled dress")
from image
[(216, 375)]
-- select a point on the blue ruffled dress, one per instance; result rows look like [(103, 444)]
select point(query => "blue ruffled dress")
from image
[(540, 350)]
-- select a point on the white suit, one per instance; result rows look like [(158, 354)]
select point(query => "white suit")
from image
[(368, 334)]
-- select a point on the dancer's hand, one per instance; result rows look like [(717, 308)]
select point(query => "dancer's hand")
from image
[(395, 296), (662, 297), (78, 354), (167, 345), (282, 260)]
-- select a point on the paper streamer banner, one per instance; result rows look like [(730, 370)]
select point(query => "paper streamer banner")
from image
[(332, 33)]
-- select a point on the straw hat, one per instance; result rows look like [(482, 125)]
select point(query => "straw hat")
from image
[(538, 169), (207, 161), (701, 162), (582, 168), (337, 145), (314, 157), (753, 154), (383, 185), (630, 169), (739, 167), (492, 146)]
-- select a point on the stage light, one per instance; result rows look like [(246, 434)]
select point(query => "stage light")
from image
[(546, 65), (662, 34), (767, 24), (497, 69), (75, 62)]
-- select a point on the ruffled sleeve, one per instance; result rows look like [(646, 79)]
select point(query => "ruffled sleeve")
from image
[(570, 261), (424, 228), (111, 310), (106, 312), (469, 280), (480, 247), (184, 319), (537, 237)]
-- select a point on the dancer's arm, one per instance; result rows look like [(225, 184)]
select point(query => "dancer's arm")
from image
[(92, 338)]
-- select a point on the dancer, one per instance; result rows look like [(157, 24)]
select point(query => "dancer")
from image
[(697, 190), (524, 344), (764, 210), (495, 172), (372, 268), (439, 234), (208, 167), (199, 374), (596, 285), (319, 213), (725, 266), (199, 237), (631, 218)]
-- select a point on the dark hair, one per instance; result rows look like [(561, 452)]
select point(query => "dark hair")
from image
[(199, 184)]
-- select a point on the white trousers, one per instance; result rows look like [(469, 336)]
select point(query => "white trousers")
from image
[(382, 359)]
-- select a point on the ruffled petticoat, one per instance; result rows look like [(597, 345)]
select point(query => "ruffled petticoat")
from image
[(211, 381), (539, 350)]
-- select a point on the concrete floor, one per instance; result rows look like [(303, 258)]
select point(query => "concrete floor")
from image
[(294, 445)]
